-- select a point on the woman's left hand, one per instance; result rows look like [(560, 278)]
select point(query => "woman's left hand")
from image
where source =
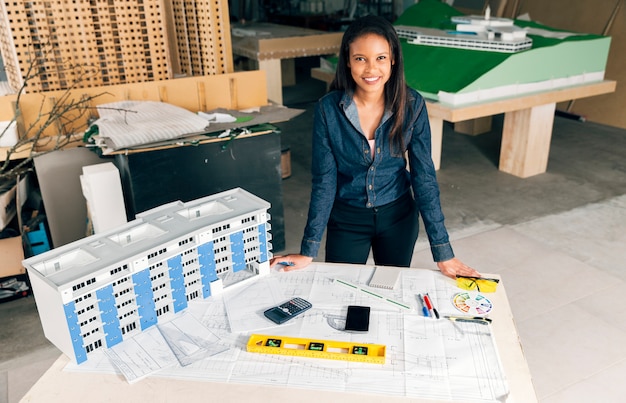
[(454, 267), (295, 261)]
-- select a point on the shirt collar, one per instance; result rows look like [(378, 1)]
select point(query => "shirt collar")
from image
[(349, 107)]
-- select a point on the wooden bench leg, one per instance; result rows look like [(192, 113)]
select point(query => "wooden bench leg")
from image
[(436, 133), (288, 72), (272, 68), (526, 139)]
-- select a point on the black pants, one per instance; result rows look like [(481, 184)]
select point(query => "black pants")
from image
[(390, 231)]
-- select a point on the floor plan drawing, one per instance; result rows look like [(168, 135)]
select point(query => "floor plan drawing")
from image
[(425, 357)]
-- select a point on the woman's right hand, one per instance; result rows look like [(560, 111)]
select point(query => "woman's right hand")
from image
[(291, 262)]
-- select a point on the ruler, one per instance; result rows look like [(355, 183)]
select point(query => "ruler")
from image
[(313, 348), (373, 294)]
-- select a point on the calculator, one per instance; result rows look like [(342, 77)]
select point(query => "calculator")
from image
[(287, 310)]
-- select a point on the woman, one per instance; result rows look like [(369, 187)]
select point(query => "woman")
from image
[(362, 193)]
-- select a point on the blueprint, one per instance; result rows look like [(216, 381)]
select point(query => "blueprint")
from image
[(179, 342), (425, 357)]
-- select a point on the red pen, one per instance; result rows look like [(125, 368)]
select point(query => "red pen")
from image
[(430, 306)]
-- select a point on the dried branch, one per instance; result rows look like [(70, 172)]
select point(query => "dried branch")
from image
[(65, 115)]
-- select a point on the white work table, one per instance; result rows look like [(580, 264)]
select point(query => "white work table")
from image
[(61, 385)]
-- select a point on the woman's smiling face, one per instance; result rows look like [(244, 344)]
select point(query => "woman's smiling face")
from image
[(370, 62)]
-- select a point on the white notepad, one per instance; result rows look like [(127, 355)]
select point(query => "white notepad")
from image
[(385, 277)]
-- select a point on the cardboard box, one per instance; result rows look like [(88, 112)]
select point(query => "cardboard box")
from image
[(12, 249), (11, 256)]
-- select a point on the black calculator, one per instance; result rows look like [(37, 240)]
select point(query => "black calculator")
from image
[(287, 310)]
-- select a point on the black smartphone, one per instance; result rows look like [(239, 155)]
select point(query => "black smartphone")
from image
[(358, 318)]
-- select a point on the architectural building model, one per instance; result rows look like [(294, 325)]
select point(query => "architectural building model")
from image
[(472, 32), (100, 290), (126, 41), (556, 59)]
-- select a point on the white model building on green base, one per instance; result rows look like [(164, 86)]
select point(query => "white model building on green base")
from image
[(472, 32), (464, 76), (100, 290), (500, 40)]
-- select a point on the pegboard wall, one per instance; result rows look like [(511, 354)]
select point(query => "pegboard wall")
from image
[(202, 36), (90, 43)]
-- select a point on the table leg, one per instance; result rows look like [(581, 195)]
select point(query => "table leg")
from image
[(474, 127), (274, 79), (288, 72), (526, 139), (436, 135)]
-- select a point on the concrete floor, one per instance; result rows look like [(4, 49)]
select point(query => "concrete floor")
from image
[(557, 239)]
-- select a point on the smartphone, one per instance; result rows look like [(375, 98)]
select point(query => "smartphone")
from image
[(358, 318)]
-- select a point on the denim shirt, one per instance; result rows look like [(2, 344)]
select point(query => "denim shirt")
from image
[(343, 169)]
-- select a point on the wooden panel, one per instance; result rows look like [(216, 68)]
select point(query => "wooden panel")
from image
[(595, 17), (609, 109), (234, 91), (478, 6)]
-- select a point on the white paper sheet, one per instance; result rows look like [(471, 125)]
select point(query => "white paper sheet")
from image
[(425, 358)]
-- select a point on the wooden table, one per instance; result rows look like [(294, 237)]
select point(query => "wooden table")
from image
[(57, 385), (528, 121), (268, 44)]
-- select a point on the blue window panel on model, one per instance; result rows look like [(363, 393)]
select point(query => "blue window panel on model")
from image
[(237, 254), (262, 243), (145, 299), (108, 315), (77, 340), (177, 282), (206, 259)]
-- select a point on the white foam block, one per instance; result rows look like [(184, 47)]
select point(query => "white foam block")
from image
[(102, 188)]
